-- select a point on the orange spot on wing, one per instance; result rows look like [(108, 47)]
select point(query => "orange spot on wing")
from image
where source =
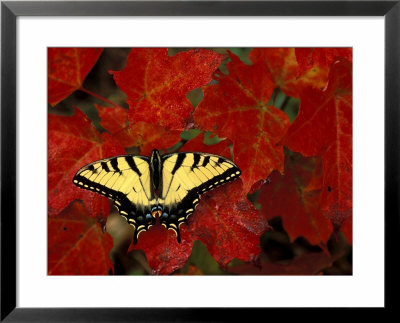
[(156, 213)]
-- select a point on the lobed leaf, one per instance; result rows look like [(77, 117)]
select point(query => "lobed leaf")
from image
[(145, 136), (237, 108), (157, 84), (228, 224), (324, 128), (309, 58), (77, 245), (289, 197), (67, 69), (73, 142), (294, 69)]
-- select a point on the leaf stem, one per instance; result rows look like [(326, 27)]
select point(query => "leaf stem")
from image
[(100, 97)]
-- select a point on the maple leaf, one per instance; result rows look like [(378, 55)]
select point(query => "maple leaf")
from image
[(306, 264), (77, 244), (67, 69), (288, 74), (309, 58), (157, 84), (237, 108), (282, 65), (73, 142), (225, 221), (323, 127), (228, 224), (141, 134), (162, 250), (289, 196)]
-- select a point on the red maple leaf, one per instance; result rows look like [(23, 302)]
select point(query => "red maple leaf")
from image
[(309, 58), (289, 197), (289, 71), (229, 225), (67, 69), (225, 221), (323, 127), (157, 84), (77, 245), (163, 252), (73, 142), (237, 108), (141, 134), (282, 65)]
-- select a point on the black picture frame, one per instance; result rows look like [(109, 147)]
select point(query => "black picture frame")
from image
[(10, 10)]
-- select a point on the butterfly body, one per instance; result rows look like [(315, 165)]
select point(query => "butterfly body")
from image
[(165, 187)]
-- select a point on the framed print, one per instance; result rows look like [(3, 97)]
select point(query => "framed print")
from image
[(180, 139), (211, 167)]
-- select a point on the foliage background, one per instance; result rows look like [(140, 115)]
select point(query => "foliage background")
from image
[(279, 253)]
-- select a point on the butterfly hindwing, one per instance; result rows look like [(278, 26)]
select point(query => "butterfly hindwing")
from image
[(126, 180), (185, 176)]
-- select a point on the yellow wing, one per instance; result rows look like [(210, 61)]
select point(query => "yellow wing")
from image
[(127, 181), (184, 177)]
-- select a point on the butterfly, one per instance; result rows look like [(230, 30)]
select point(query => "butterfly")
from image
[(164, 186)]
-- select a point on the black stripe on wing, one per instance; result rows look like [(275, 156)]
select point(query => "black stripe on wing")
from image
[(131, 162), (179, 161), (196, 160)]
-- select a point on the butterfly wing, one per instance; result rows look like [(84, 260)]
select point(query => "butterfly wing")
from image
[(185, 176), (127, 181)]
